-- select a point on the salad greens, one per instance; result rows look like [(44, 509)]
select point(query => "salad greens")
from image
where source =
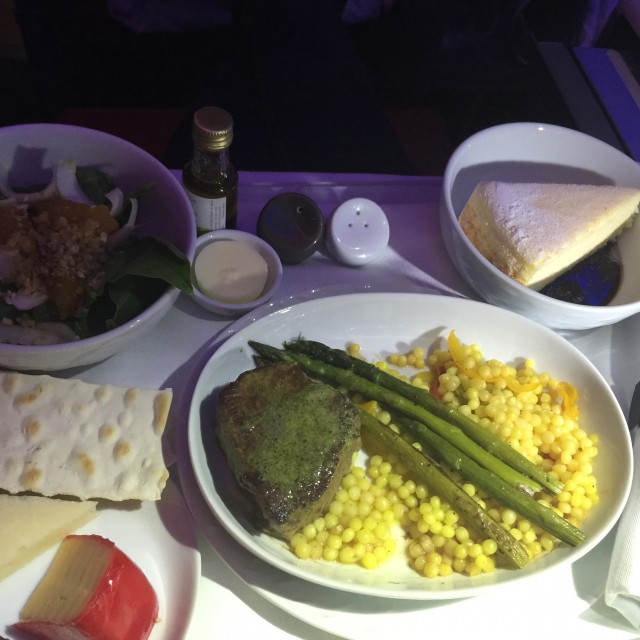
[(137, 272), (95, 183)]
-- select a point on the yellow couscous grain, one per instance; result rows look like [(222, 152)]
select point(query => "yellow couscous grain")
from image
[(381, 506)]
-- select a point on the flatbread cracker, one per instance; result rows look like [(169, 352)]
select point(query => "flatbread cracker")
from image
[(73, 438)]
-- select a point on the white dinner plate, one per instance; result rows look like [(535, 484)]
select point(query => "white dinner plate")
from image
[(381, 324), (159, 537)]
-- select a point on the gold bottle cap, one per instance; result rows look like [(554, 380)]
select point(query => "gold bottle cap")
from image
[(212, 128)]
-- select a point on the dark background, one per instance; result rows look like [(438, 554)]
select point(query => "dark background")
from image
[(308, 93)]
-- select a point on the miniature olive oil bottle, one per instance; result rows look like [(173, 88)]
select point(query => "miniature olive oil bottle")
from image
[(209, 178)]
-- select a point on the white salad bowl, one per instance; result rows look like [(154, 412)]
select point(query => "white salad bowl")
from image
[(534, 152), (31, 152)]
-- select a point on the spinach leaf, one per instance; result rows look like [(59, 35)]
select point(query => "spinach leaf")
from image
[(130, 296), (138, 275), (151, 257), (95, 183)]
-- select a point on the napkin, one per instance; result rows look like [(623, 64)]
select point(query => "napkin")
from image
[(622, 591)]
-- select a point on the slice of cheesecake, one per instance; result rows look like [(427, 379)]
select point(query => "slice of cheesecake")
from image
[(535, 232)]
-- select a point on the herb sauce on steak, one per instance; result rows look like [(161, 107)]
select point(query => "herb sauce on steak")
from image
[(289, 440)]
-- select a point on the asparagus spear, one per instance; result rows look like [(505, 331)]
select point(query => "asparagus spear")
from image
[(545, 517), (424, 399), (437, 479), (374, 391)]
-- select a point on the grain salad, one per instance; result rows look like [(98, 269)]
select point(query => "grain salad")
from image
[(58, 249), (72, 264), (381, 509)]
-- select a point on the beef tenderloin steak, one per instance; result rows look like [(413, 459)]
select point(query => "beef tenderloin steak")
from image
[(289, 440)]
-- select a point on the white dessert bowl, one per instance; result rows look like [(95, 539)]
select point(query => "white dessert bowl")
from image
[(537, 152), (32, 151), (268, 253)]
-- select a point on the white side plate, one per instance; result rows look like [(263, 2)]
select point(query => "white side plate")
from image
[(159, 537)]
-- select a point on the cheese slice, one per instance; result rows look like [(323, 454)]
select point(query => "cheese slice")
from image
[(29, 525), (535, 232), (73, 438), (92, 590)]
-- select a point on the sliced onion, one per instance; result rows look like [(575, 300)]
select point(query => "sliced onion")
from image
[(116, 198), (42, 334), (24, 302), (121, 234), (59, 329), (66, 182)]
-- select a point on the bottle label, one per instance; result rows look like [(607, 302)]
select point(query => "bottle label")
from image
[(211, 213)]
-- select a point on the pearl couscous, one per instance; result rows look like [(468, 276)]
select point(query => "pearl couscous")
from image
[(381, 508)]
